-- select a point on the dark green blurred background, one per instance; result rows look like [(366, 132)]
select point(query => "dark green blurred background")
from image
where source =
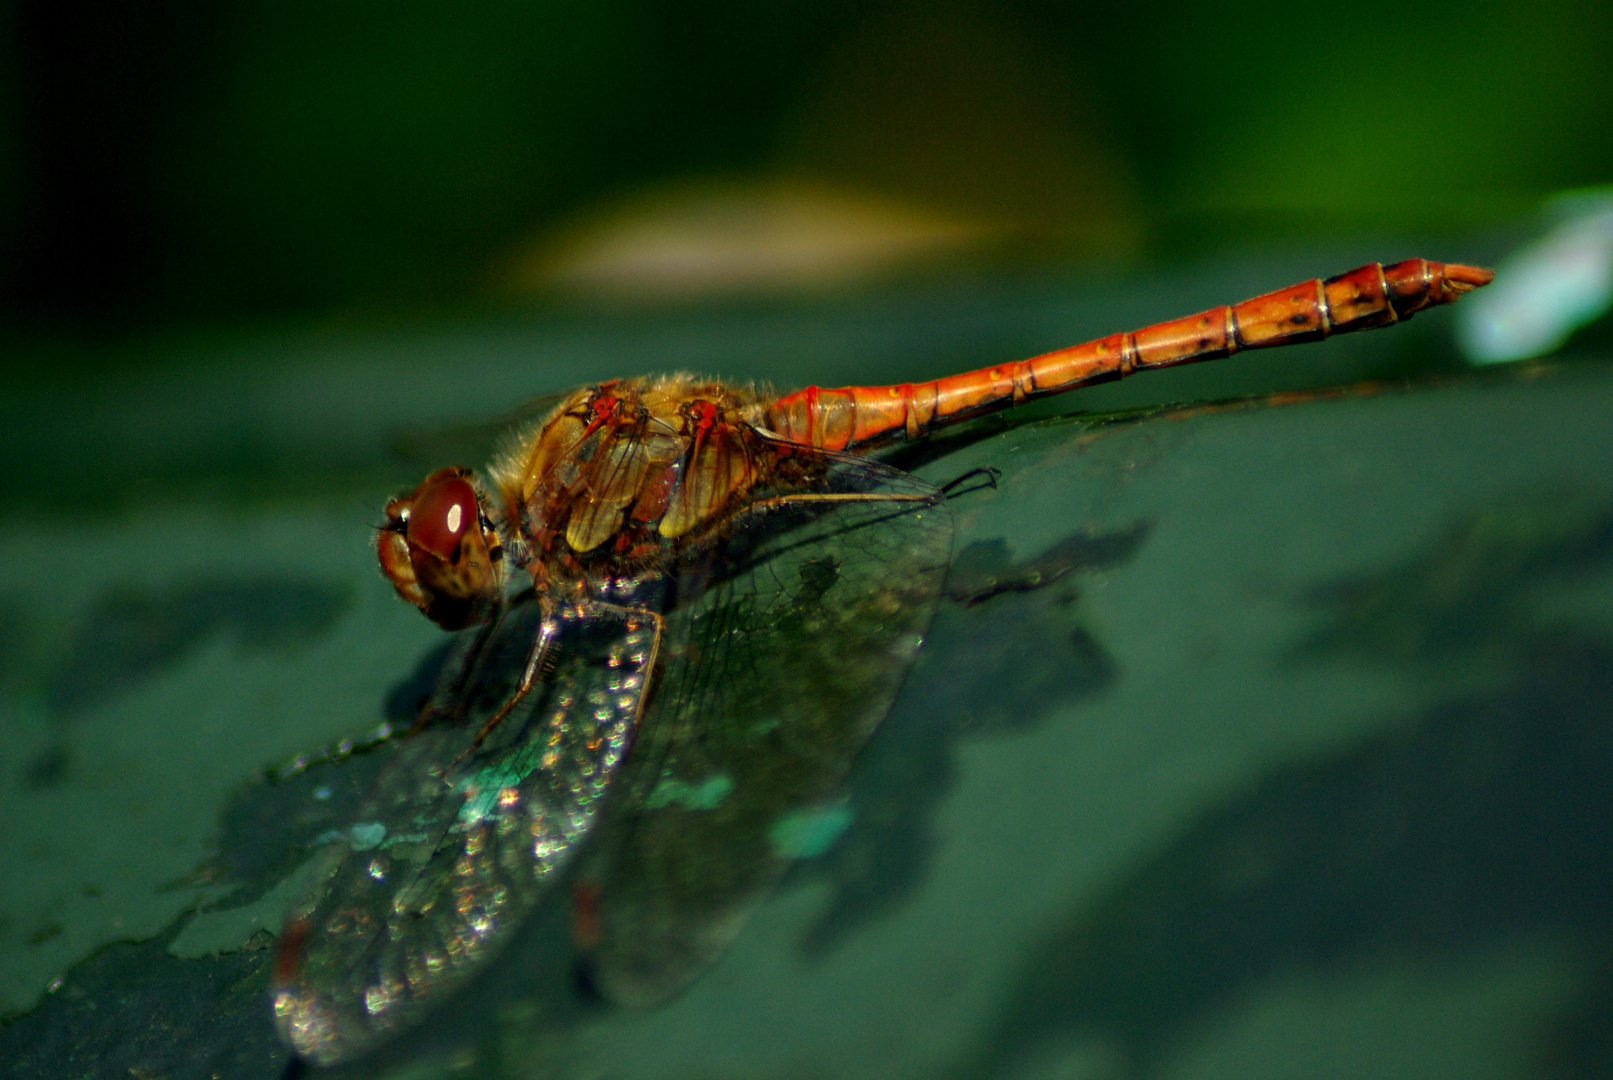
[(176, 162)]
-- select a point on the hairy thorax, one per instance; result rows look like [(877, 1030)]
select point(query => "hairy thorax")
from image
[(622, 474)]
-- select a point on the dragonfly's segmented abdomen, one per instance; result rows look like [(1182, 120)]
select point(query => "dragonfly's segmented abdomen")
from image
[(1371, 296)]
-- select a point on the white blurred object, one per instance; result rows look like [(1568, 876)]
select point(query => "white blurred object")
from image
[(1545, 291)]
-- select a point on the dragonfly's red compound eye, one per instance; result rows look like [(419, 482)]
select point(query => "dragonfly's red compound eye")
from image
[(442, 510)]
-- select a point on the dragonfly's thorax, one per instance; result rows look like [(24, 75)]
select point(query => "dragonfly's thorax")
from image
[(624, 473)]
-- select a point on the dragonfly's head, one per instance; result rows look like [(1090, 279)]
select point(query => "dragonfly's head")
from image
[(440, 550)]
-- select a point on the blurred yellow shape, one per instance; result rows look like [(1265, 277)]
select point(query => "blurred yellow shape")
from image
[(710, 239)]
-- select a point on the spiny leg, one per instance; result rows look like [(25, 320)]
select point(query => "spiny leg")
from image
[(799, 498), (428, 709), (659, 622), (540, 660), (548, 630)]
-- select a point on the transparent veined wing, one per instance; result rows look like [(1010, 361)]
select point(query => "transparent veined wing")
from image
[(788, 640), (786, 636), (455, 845)]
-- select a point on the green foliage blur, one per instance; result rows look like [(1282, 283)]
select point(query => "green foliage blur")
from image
[(173, 159)]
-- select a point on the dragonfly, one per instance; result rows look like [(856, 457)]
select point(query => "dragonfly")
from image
[(683, 606)]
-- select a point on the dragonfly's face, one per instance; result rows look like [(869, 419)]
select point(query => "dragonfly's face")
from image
[(440, 551)]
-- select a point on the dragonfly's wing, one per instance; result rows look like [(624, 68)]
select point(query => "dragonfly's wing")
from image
[(780, 660), (450, 853)]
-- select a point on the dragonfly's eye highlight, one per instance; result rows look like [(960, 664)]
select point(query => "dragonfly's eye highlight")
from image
[(441, 552), (443, 508)]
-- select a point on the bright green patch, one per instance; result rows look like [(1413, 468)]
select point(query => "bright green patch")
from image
[(807, 834), (707, 795)]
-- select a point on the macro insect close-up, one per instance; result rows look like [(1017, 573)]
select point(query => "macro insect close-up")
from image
[(689, 604), (546, 542)]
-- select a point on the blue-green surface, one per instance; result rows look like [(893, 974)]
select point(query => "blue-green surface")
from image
[(1295, 764)]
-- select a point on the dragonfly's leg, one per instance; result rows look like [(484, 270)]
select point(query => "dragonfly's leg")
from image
[(835, 497), (467, 664), (548, 630), (428, 712), (539, 659), (659, 623)]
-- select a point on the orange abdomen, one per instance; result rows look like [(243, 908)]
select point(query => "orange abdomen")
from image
[(1371, 296)]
